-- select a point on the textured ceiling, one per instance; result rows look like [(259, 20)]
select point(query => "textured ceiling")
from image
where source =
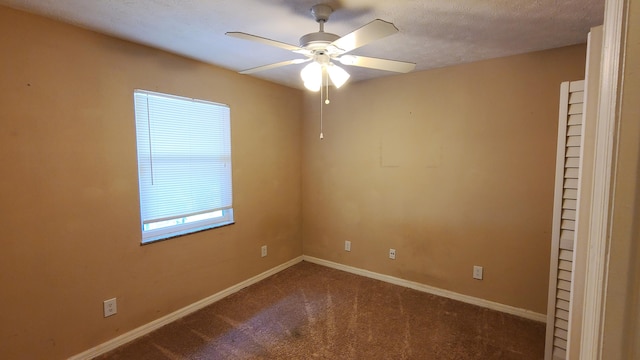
[(433, 33)]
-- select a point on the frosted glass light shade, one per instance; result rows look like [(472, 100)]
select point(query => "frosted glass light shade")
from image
[(338, 75), (348, 59), (312, 76)]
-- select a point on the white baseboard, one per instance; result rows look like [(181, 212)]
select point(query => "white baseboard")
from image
[(158, 323), (527, 314)]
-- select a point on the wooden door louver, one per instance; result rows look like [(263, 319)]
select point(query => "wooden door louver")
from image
[(564, 217)]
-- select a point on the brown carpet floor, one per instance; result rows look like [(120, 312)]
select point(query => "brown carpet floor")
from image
[(313, 312)]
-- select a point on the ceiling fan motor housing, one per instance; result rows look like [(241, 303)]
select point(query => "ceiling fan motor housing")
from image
[(317, 40)]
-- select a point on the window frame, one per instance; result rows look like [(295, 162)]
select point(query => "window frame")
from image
[(187, 223)]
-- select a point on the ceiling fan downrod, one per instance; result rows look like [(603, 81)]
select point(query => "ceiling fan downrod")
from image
[(319, 40)]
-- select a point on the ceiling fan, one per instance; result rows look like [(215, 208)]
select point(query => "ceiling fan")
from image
[(322, 49)]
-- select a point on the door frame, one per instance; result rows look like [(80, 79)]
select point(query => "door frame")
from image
[(600, 215)]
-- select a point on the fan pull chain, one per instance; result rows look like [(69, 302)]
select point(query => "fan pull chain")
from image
[(321, 135), (326, 81), (324, 96)]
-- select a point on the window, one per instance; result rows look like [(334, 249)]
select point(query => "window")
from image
[(184, 164)]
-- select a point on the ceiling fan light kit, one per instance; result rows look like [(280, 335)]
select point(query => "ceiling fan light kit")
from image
[(313, 74), (322, 48)]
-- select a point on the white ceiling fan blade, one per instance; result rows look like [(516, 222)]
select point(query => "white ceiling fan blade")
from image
[(273, 66), (377, 29), (245, 36), (376, 63)]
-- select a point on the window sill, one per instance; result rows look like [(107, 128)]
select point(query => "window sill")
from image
[(157, 239)]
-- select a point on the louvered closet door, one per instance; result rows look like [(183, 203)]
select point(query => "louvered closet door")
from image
[(564, 217)]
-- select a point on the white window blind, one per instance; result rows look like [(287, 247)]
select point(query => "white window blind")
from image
[(184, 163)]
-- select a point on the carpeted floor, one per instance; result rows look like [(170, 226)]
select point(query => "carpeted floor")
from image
[(313, 312)]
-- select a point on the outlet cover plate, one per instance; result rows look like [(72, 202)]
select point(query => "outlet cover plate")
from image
[(264, 250), (392, 254), (477, 272), (347, 245), (110, 307)]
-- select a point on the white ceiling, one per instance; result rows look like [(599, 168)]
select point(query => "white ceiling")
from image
[(433, 33)]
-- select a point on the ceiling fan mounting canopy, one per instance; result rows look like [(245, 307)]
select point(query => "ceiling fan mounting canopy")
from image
[(321, 12)]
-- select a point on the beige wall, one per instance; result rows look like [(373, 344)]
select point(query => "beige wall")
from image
[(70, 233), (452, 167), (622, 321)]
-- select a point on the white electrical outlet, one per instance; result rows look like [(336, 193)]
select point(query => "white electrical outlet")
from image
[(477, 272), (347, 245), (264, 250), (110, 307), (392, 254)]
